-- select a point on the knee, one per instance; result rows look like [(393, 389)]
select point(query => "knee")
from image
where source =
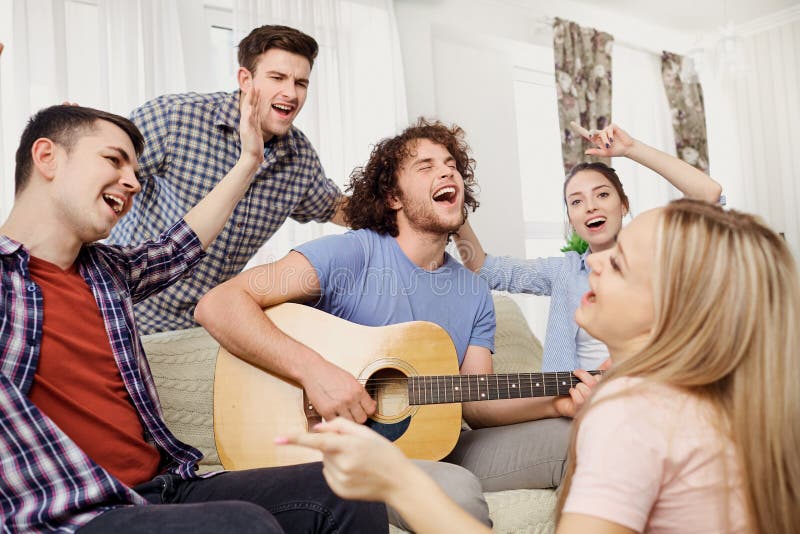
[(462, 486), (238, 516)]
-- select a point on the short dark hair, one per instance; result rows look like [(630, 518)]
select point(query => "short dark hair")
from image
[(605, 170), (65, 125), (265, 37), (374, 184)]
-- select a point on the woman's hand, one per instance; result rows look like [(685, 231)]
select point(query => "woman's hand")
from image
[(611, 141), (358, 463)]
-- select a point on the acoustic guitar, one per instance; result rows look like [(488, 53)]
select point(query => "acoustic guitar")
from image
[(410, 369)]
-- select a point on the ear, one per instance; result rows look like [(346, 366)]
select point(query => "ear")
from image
[(44, 154), (393, 202), (245, 79)]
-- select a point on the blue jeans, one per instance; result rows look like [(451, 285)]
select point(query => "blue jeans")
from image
[(278, 499)]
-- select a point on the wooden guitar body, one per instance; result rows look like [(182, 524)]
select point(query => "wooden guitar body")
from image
[(253, 406)]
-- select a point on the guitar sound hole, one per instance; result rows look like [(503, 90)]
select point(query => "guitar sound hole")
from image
[(389, 388)]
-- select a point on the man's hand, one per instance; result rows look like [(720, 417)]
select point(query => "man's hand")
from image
[(569, 406), (250, 127), (334, 392)]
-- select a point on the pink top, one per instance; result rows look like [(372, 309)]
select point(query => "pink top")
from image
[(651, 460)]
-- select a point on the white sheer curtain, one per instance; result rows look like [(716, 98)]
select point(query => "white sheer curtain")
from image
[(110, 54), (357, 91), (754, 75)]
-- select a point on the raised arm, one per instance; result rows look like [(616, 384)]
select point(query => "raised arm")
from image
[(209, 216), (233, 314), (360, 464), (613, 141)]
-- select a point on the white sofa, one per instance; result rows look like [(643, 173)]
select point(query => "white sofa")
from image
[(183, 366)]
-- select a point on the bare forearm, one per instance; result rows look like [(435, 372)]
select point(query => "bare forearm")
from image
[(508, 412), (237, 322), (339, 216), (692, 182), (469, 247), (209, 216)]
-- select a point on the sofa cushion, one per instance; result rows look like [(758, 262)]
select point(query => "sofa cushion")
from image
[(516, 348), (182, 363)]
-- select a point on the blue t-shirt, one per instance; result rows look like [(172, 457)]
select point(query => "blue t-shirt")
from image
[(367, 279)]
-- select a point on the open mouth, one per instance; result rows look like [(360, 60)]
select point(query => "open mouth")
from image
[(116, 203), (283, 110), (596, 223), (588, 298), (445, 195)]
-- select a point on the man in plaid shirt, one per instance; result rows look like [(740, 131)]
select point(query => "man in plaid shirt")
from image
[(191, 141), (83, 443)]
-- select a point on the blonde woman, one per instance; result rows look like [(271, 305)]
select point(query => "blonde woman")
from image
[(694, 428)]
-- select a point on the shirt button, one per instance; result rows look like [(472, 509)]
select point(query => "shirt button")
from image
[(31, 287)]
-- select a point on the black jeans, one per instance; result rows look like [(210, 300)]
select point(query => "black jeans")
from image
[(278, 499)]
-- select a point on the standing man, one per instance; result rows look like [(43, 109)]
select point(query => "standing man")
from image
[(191, 141), (83, 442), (411, 195)]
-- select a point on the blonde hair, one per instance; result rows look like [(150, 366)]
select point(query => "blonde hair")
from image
[(726, 310)]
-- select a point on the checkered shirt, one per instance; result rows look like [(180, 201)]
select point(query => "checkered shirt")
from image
[(46, 482), (192, 141)]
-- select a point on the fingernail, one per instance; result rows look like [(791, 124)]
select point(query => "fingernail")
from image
[(281, 440)]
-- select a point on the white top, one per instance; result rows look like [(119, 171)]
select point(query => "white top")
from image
[(591, 352)]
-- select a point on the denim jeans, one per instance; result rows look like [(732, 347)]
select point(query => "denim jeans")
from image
[(278, 499)]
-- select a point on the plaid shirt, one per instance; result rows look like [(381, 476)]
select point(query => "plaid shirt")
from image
[(46, 482), (197, 135)]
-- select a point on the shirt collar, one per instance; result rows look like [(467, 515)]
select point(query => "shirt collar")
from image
[(8, 246), (227, 116), (585, 267)]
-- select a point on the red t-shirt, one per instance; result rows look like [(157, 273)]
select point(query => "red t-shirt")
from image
[(78, 384)]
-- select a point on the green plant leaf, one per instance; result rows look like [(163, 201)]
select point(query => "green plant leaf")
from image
[(576, 243)]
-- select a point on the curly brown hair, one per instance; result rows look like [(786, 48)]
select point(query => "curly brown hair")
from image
[(374, 184)]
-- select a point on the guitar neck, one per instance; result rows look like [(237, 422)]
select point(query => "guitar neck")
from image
[(470, 388)]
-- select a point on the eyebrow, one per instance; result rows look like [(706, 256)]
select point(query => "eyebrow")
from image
[(595, 188), (126, 157), (281, 73), (418, 162)]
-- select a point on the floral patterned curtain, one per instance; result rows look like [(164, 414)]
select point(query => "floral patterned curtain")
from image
[(685, 98), (583, 85)]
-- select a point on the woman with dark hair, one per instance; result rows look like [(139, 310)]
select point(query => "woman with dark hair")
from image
[(596, 204)]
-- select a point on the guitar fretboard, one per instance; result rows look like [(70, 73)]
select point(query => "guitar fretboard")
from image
[(468, 388)]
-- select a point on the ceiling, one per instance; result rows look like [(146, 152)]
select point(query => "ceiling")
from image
[(696, 15)]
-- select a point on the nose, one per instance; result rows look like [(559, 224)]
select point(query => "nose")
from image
[(593, 261), (590, 204), (289, 89), (130, 182)]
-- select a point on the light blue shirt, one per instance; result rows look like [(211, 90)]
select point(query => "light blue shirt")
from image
[(366, 278), (565, 279)]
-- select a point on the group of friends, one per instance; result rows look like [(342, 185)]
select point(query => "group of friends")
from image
[(691, 310)]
